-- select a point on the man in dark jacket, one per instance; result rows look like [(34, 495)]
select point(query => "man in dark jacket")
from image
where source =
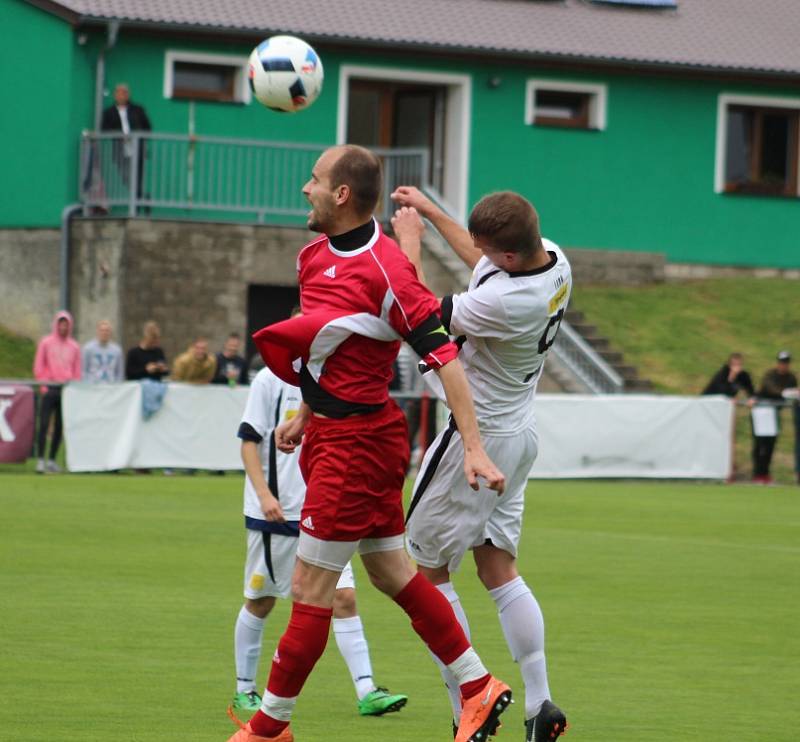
[(774, 383), (731, 379), (126, 117)]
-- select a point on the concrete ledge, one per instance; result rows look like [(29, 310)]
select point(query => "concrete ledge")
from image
[(620, 267)]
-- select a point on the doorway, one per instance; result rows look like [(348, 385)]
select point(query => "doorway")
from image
[(400, 108), (266, 305)]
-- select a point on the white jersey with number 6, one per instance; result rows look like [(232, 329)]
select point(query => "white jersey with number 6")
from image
[(510, 321)]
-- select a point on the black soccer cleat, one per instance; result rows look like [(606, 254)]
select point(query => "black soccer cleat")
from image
[(549, 724)]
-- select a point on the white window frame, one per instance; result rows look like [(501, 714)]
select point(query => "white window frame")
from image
[(241, 83), (598, 93), (458, 120), (724, 101)]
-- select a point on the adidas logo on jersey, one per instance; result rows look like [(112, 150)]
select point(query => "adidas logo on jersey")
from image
[(331, 272), (308, 523)]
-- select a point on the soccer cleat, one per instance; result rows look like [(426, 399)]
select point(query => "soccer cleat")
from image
[(52, 467), (480, 714), (40, 466), (249, 701), (549, 724), (380, 701), (246, 734)]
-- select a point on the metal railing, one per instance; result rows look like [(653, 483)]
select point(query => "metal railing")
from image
[(146, 171), (580, 360)]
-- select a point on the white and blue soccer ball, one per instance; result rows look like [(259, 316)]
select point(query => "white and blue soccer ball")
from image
[(285, 74)]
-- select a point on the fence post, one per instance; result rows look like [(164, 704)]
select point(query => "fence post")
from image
[(133, 176)]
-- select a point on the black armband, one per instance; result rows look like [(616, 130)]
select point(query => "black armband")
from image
[(428, 336)]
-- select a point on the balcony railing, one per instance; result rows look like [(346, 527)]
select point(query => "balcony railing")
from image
[(178, 174)]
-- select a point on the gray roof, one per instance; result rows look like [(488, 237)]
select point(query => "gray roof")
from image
[(761, 36)]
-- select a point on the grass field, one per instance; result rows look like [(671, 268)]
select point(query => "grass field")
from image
[(671, 614)]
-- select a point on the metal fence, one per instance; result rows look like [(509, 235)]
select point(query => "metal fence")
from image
[(148, 172)]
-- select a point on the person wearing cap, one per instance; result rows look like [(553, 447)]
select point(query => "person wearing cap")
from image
[(772, 388)]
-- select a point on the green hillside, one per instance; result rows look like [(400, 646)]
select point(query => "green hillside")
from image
[(680, 334), (16, 355)]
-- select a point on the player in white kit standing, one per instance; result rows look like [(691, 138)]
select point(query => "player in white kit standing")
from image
[(273, 498), (506, 323)]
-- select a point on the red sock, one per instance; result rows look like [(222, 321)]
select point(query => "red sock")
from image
[(301, 645), (473, 687), (433, 619)]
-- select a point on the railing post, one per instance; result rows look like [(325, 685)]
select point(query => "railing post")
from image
[(133, 176)]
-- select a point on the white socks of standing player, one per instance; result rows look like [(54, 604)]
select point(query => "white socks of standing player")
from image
[(450, 682), (352, 643), (523, 626), (247, 649)]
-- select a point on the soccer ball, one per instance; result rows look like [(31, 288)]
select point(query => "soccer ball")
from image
[(285, 74)]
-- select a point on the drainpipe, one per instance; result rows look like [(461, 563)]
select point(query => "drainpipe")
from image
[(66, 219), (100, 72)]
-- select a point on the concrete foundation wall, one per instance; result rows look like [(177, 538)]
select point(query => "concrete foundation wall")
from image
[(29, 280)]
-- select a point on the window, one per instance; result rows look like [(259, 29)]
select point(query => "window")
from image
[(213, 77), (757, 146), (568, 104)]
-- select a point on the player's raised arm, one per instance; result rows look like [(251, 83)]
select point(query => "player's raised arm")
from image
[(459, 400), (456, 236), (408, 229)]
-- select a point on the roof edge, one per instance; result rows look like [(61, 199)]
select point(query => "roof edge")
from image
[(339, 40), (56, 9)]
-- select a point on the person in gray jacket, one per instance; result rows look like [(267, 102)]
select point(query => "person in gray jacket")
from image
[(101, 358)]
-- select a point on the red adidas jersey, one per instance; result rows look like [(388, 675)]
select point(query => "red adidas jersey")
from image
[(377, 286)]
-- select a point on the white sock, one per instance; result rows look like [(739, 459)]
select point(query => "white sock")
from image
[(453, 689), (352, 643), (247, 649), (523, 626)]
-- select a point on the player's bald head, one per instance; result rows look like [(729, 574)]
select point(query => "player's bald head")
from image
[(360, 170)]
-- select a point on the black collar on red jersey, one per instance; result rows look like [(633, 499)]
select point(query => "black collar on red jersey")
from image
[(355, 238)]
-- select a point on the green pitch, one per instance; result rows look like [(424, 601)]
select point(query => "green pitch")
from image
[(672, 613)]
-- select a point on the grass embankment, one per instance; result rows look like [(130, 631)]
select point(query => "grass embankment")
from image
[(680, 334), (16, 355)]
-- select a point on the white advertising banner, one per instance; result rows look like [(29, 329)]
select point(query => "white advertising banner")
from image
[(195, 427), (580, 436), (633, 435)]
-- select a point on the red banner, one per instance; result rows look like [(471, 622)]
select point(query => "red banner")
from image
[(17, 422)]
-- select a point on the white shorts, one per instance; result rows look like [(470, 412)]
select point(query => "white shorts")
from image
[(446, 517), (270, 549)]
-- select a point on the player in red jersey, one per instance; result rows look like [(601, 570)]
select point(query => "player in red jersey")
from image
[(360, 297)]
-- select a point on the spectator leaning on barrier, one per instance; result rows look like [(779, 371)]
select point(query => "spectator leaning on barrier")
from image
[(147, 360), (773, 385), (58, 359), (731, 379), (231, 367), (102, 357), (196, 365)]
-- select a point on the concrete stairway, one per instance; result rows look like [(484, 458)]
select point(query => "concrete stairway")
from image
[(615, 358)]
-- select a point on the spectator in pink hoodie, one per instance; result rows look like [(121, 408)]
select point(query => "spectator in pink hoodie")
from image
[(58, 359)]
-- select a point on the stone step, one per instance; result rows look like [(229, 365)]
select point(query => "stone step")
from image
[(638, 385), (612, 357), (584, 329), (598, 342)]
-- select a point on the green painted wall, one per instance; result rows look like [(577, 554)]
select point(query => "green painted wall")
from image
[(645, 183), (43, 81)]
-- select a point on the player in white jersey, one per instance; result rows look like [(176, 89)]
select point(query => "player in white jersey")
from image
[(505, 322), (273, 498)]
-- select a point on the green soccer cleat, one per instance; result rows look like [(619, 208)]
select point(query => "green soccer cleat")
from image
[(249, 701), (380, 702)]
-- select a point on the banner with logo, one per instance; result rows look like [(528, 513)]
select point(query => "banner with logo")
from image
[(17, 422)]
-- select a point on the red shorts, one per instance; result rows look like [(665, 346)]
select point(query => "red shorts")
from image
[(354, 470)]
